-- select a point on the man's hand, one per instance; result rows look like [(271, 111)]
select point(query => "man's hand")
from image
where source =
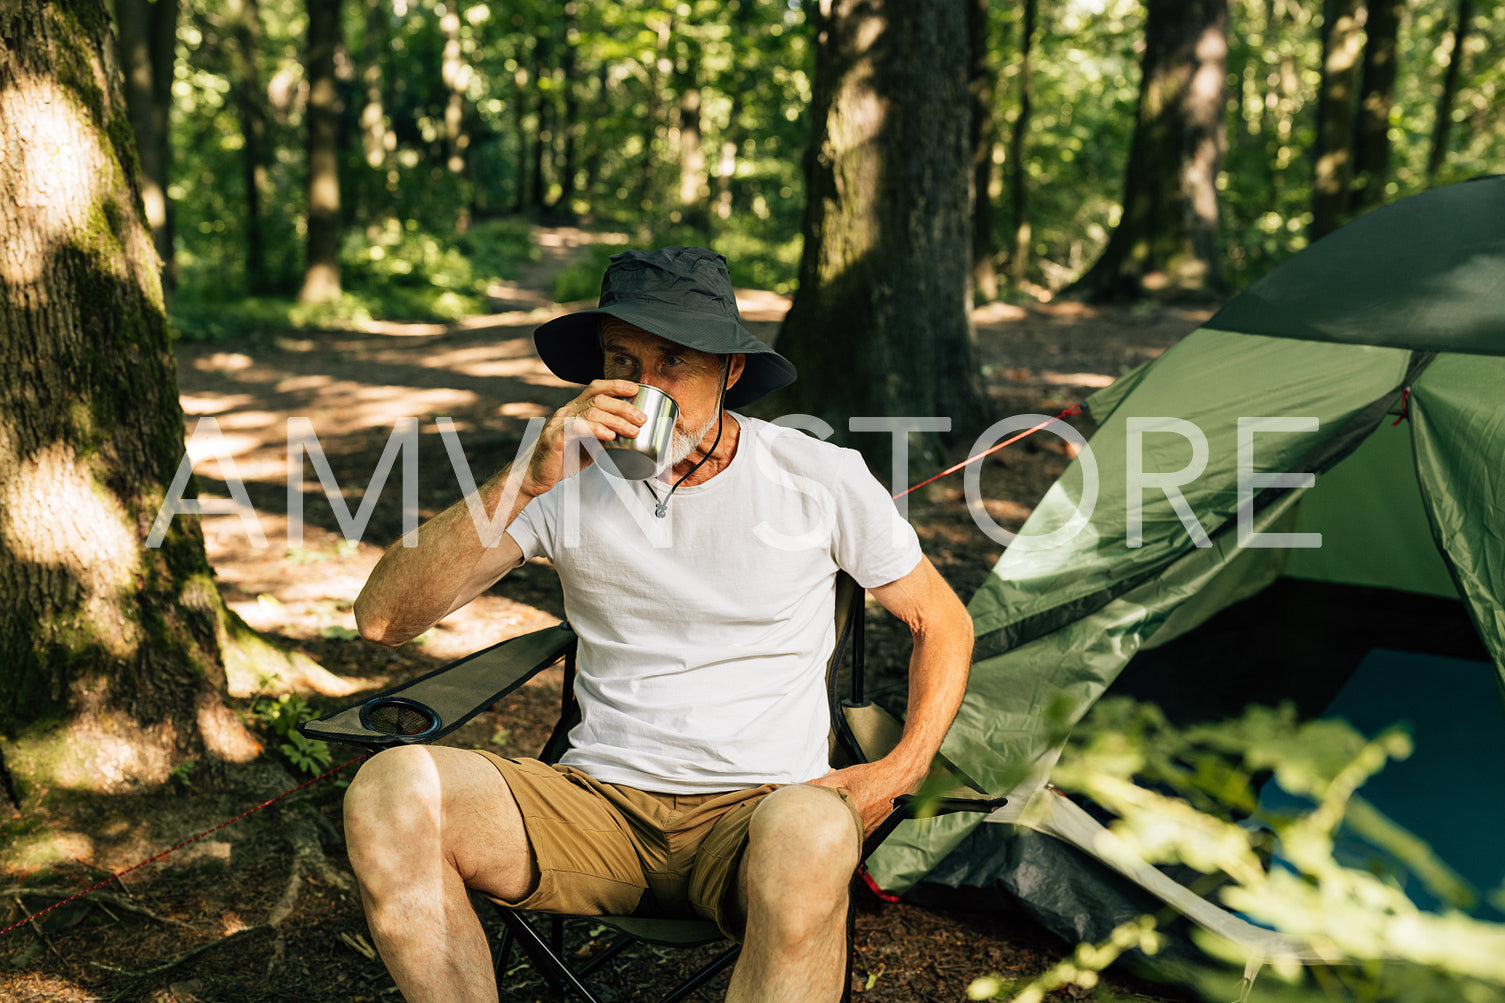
[(938, 666), (603, 412), (873, 787)]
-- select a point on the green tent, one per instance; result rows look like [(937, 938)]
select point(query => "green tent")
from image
[(1316, 474)]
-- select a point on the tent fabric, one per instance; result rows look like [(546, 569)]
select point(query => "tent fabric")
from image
[(1427, 272), (1209, 381), (1395, 318), (1459, 434)]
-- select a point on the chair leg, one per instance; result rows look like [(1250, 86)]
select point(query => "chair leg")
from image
[(703, 976), (852, 891), (503, 952), (556, 974)]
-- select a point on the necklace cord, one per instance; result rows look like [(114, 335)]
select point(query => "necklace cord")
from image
[(661, 509)]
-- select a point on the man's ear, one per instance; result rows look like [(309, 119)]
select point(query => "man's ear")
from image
[(735, 364)]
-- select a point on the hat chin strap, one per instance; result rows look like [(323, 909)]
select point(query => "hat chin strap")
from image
[(661, 506)]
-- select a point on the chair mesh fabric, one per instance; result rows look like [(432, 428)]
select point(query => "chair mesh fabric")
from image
[(398, 719)]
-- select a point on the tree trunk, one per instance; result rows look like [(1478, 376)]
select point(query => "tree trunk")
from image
[(1019, 256), (984, 138), (693, 185), (1443, 125), (525, 137), (654, 124), (1166, 244), (880, 325), (147, 40), (1342, 39), (456, 77), (321, 281), (542, 144), (111, 652), (1371, 148), (249, 99), (1286, 83), (569, 129), (375, 136), (726, 163)]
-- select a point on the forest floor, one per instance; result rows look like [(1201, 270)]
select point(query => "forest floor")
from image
[(254, 911)]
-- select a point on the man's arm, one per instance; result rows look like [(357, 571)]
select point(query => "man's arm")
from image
[(414, 587), (938, 670)]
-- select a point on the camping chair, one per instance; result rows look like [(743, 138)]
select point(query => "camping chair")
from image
[(435, 704)]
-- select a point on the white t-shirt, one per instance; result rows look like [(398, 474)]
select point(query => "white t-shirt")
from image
[(704, 634)]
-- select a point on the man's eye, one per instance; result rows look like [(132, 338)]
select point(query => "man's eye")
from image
[(673, 360)]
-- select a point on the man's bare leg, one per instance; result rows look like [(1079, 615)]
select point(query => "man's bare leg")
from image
[(422, 823), (792, 884)]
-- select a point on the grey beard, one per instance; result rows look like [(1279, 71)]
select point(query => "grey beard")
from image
[(681, 444)]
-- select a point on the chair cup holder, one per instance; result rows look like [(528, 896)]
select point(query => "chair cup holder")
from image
[(400, 717)]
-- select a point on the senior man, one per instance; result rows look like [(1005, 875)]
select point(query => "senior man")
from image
[(696, 782)]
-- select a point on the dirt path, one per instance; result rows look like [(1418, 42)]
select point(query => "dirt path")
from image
[(353, 389)]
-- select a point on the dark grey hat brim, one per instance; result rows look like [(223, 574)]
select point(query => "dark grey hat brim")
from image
[(571, 347)]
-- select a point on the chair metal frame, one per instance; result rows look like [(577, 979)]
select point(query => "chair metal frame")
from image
[(431, 706)]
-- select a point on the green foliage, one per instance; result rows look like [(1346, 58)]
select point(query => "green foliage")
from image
[(395, 270), (582, 279), (181, 777), (756, 262), (580, 111), (280, 716), (1187, 797)]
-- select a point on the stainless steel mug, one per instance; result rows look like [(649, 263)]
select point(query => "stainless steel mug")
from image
[(640, 458)]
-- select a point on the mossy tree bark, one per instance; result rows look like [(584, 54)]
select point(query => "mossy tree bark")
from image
[(880, 326), (1166, 243), (111, 665)]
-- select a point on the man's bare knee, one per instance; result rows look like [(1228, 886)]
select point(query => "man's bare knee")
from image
[(802, 846), (392, 809), (809, 822), (414, 808)]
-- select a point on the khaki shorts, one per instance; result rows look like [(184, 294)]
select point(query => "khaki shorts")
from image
[(606, 850)]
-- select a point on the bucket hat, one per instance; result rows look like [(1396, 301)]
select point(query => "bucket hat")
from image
[(683, 294)]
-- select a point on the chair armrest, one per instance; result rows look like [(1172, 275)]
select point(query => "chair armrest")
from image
[(435, 704), (909, 806)]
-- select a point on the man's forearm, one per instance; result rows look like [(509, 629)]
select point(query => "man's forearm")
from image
[(418, 582), (938, 671)]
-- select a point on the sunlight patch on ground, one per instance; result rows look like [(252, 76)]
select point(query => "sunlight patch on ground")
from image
[(209, 403), (485, 621), (34, 987), (545, 379), (761, 305), (997, 313), (224, 362), (529, 318), (45, 849), (383, 405), (1005, 513), (250, 421), (1078, 379), (296, 384), (523, 409), (401, 329), (482, 361)]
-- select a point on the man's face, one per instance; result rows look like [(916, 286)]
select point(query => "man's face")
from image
[(690, 376)]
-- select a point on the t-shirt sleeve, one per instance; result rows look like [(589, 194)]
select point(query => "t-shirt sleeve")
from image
[(532, 529), (871, 541)]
